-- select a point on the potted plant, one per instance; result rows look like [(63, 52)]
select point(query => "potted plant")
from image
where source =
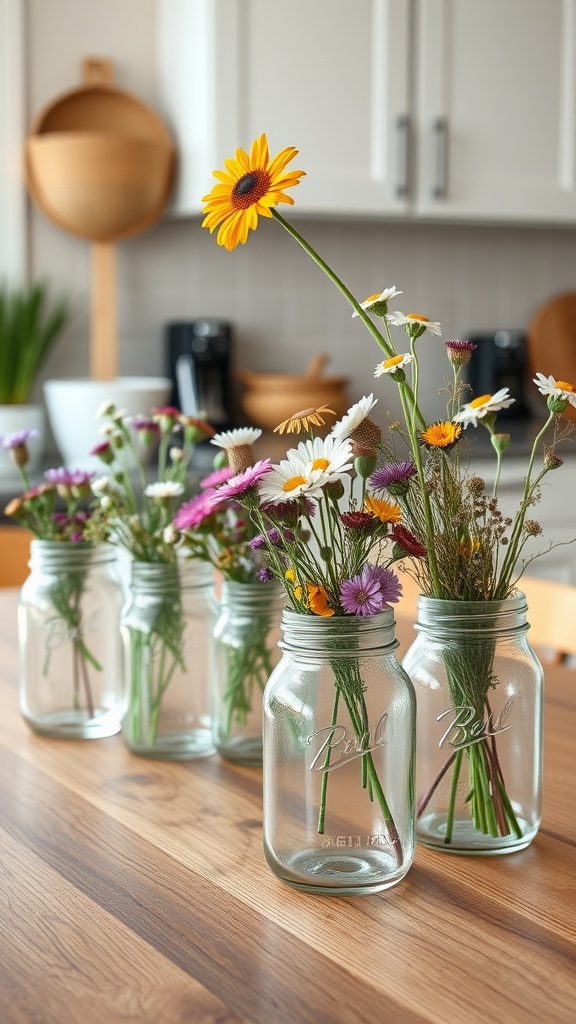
[(29, 326)]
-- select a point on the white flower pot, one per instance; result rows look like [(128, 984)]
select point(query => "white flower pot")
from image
[(21, 417), (72, 406)]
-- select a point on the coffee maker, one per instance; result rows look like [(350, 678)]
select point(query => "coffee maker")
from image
[(199, 354), (500, 362)]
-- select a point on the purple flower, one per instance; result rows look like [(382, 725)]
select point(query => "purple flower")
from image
[(258, 542), (459, 352), (192, 513), (68, 477), (388, 477), (17, 439), (370, 591), (242, 482), (264, 575), (219, 476)]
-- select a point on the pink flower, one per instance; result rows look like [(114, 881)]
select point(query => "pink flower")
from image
[(193, 513), (219, 476), (242, 482)]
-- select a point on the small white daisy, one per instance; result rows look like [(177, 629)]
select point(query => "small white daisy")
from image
[(164, 489), (170, 534), (327, 458), (393, 364), (100, 485), (413, 320), (559, 388), (376, 303), (482, 406), (354, 417), (236, 438), (105, 409)]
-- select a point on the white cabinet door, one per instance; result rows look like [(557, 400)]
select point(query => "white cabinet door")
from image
[(496, 98), (330, 77)]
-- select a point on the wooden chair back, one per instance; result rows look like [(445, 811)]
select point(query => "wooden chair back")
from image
[(14, 555)]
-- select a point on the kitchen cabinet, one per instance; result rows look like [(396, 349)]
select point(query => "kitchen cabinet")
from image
[(330, 77), (436, 109)]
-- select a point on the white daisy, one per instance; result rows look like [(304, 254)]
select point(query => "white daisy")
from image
[(393, 364), (354, 417), (414, 319), (164, 489), (480, 407), (100, 485), (236, 438), (327, 458), (559, 388), (104, 409), (373, 302), (289, 480)]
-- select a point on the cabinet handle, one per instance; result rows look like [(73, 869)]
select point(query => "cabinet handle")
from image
[(402, 154), (440, 134)]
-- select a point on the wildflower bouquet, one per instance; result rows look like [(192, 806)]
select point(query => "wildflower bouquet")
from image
[(321, 529), (217, 529), (458, 544), (56, 513), (137, 516)]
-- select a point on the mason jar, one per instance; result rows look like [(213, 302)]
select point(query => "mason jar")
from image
[(246, 637), (339, 733), (71, 681), (167, 629), (479, 699)]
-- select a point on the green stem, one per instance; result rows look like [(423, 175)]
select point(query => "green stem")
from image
[(336, 280)]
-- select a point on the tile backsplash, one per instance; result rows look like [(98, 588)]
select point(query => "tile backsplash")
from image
[(284, 310)]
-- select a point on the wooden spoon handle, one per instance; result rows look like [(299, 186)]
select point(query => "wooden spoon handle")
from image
[(104, 328)]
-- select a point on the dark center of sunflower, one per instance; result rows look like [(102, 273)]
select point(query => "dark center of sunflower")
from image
[(250, 188)]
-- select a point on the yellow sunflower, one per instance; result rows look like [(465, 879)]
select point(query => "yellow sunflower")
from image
[(251, 185), (385, 511), (303, 419), (441, 435)]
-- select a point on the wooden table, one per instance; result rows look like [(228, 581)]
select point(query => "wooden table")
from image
[(135, 891)]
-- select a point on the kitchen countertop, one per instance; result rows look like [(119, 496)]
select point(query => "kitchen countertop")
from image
[(136, 891)]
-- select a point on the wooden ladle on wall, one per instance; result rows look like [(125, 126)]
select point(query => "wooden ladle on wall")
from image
[(100, 164)]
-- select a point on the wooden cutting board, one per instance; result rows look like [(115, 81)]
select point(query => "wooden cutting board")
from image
[(552, 340)]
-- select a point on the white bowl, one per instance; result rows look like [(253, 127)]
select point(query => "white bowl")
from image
[(72, 405)]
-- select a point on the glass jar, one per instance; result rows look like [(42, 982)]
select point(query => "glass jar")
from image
[(246, 650), (339, 724), (70, 644), (167, 629), (479, 699)]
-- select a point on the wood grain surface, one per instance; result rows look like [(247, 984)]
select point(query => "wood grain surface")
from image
[(136, 891)]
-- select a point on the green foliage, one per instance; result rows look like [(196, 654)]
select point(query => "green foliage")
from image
[(29, 326)]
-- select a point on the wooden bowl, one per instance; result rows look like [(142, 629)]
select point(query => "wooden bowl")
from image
[(99, 185), (268, 399)]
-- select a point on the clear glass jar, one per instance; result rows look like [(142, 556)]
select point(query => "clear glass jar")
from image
[(479, 724), (246, 650), (71, 681), (339, 725), (167, 630)]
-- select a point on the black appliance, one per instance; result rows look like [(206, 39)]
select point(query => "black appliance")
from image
[(499, 361), (199, 364)]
